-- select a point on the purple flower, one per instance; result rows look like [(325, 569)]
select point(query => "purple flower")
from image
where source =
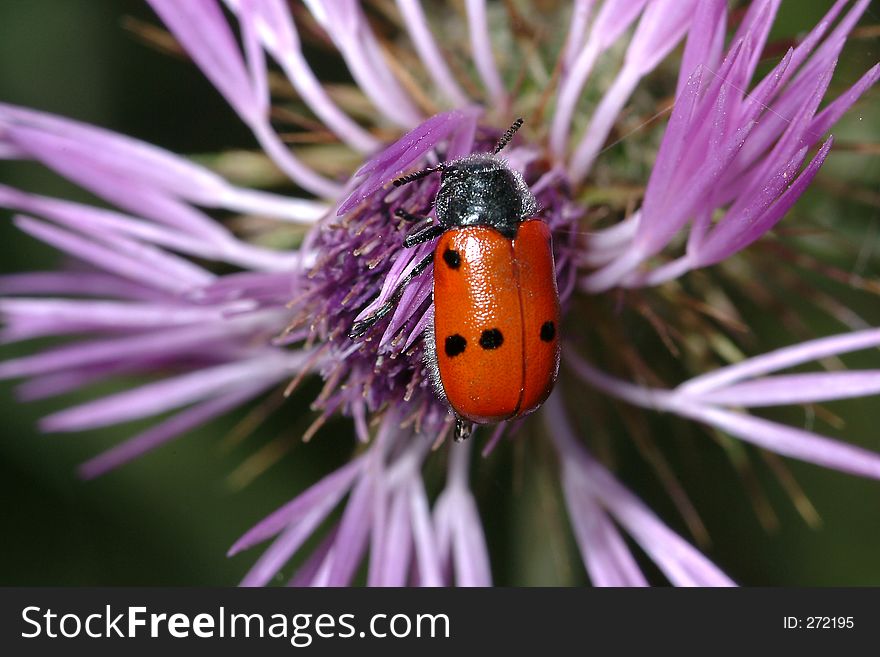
[(736, 153)]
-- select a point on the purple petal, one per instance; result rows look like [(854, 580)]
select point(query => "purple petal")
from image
[(683, 564), (138, 262), (577, 30), (791, 99), (76, 284), (471, 557), (334, 486), (180, 341), (395, 159), (796, 135), (93, 220), (418, 329), (272, 22), (788, 441), (468, 544), (713, 122), (796, 389), (825, 119), (103, 225), (114, 181), (256, 61), (168, 394), (426, 543), (830, 48), (461, 142), (756, 26), (395, 549), (736, 232), (778, 78), (354, 529), (414, 296), (165, 431), (614, 17), (406, 261), (481, 50), (318, 561), (433, 60), (285, 546), (705, 41), (653, 238), (51, 137), (50, 385), (661, 27), (379, 526), (604, 552), (64, 316), (769, 435), (347, 26), (203, 31), (780, 359), (675, 141), (696, 136), (443, 529), (272, 289)]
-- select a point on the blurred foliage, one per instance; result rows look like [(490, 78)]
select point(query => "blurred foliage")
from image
[(169, 517)]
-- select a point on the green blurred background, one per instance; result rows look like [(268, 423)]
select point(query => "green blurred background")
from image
[(168, 518)]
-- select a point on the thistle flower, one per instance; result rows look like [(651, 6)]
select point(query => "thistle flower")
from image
[(737, 151)]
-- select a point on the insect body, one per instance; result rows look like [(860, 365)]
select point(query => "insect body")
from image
[(493, 350), (496, 313)]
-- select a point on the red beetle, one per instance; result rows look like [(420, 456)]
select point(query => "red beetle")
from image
[(493, 350)]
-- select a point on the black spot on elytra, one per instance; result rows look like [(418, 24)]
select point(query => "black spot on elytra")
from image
[(454, 345), (452, 258), (491, 339), (548, 331)]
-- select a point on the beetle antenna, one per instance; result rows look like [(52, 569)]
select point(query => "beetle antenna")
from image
[(410, 177), (507, 136)]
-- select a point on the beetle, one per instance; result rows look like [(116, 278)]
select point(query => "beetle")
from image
[(493, 349)]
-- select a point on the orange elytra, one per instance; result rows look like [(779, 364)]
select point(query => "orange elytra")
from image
[(496, 318)]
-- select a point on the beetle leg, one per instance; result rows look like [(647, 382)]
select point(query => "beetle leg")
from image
[(424, 235), (403, 214), (463, 429), (362, 326)]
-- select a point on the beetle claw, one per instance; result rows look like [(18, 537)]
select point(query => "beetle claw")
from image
[(463, 429), (359, 328)]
